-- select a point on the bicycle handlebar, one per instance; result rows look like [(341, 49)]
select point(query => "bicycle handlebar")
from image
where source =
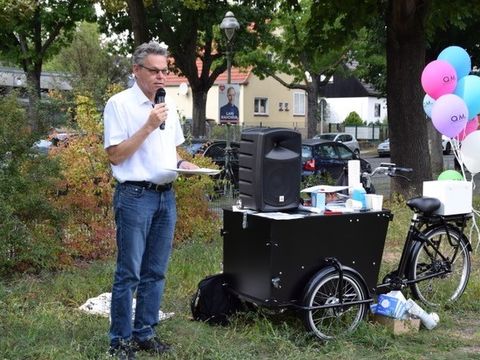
[(389, 169)]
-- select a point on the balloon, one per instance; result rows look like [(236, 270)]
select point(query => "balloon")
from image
[(439, 78), (428, 104), (470, 152), (468, 88), (449, 115), (450, 175), (458, 58), (471, 126)]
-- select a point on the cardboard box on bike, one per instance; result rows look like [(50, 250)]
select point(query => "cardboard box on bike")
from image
[(455, 195)]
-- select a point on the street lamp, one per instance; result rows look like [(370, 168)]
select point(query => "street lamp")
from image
[(229, 25)]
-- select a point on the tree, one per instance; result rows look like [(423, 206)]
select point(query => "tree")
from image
[(353, 119), (310, 60), (98, 73), (31, 31), (191, 30)]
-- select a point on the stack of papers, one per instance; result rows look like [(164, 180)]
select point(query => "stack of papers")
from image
[(324, 189)]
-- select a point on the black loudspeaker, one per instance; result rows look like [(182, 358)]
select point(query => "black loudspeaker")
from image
[(270, 161)]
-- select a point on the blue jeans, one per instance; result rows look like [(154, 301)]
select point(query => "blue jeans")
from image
[(145, 222)]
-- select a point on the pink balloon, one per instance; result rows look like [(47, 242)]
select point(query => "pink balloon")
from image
[(471, 126), (449, 115), (439, 78)]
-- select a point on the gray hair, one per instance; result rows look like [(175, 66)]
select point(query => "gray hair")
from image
[(142, 51)]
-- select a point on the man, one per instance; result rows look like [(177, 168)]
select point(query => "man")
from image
[(141, 154), (229, 111)]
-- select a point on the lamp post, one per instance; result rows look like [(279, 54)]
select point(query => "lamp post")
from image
[(229, 25)]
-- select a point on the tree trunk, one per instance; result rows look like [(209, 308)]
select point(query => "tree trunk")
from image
[(199, 112), (436, 153), (136, 10), (312, 108), (405, 62), (34, 93)]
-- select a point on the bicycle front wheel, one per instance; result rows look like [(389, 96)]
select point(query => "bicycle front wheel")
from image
[(323, 290), (447, 260)]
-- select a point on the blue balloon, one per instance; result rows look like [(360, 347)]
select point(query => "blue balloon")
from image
[(458, 58), (428, 102), (468, 88)]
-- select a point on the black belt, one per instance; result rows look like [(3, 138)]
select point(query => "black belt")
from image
[(150, 186)]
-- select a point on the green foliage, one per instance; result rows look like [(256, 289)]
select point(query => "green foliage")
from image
[(194, 218), (32, 31), (29, 223), (95, 75), (353, 119)]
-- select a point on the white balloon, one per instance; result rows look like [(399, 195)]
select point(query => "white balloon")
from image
[(428, 102), (470, 152)]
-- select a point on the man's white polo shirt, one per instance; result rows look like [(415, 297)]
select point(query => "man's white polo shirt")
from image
[(125, 113)]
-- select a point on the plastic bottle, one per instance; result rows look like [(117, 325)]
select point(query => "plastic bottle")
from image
[(358, 194), (428, 320)]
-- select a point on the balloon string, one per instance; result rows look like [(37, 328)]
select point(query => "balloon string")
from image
[(456, 152)]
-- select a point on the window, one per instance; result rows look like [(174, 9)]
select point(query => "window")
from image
[(377, 110), (345, 138), (298, 103), (344, 153), (261, 106), (327, 151)]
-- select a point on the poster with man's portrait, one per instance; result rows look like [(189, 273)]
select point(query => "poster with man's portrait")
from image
[(228, 100)]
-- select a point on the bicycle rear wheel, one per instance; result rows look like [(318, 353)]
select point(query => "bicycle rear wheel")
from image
[(426, 261), (323, 289)]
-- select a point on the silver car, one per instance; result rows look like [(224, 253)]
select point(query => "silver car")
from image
[(383, 149), (343, 138)]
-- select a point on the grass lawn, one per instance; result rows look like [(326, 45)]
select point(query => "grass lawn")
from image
[(39, 318)]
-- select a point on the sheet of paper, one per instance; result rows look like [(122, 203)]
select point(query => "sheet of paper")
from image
[(280, 215), (200, 171), (324, 188)]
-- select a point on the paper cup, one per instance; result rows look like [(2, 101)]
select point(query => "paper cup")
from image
[(374, 202)]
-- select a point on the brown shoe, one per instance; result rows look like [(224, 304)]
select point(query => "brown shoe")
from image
[(152, 346)]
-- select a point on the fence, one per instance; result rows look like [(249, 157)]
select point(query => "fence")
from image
[(373, 132)]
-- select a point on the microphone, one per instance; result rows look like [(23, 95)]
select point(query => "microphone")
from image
[(160, 98)]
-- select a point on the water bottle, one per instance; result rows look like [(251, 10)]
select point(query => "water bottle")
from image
[(359, 195)]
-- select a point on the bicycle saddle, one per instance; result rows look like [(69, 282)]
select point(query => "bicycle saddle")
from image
[(424, 204)]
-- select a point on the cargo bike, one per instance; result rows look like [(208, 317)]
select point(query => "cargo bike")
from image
[(327, 266)]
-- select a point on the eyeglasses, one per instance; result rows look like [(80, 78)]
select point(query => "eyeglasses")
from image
[(155, 71)]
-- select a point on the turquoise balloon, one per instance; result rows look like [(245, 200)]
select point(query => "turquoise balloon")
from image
[(468, 88), (450, 175), (458, 58)]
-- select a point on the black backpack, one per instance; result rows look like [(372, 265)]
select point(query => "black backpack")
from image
[(213, 303)]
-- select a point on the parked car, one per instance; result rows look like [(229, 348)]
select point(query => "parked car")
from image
[(325, 156), (383, 149), (344, 138)]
